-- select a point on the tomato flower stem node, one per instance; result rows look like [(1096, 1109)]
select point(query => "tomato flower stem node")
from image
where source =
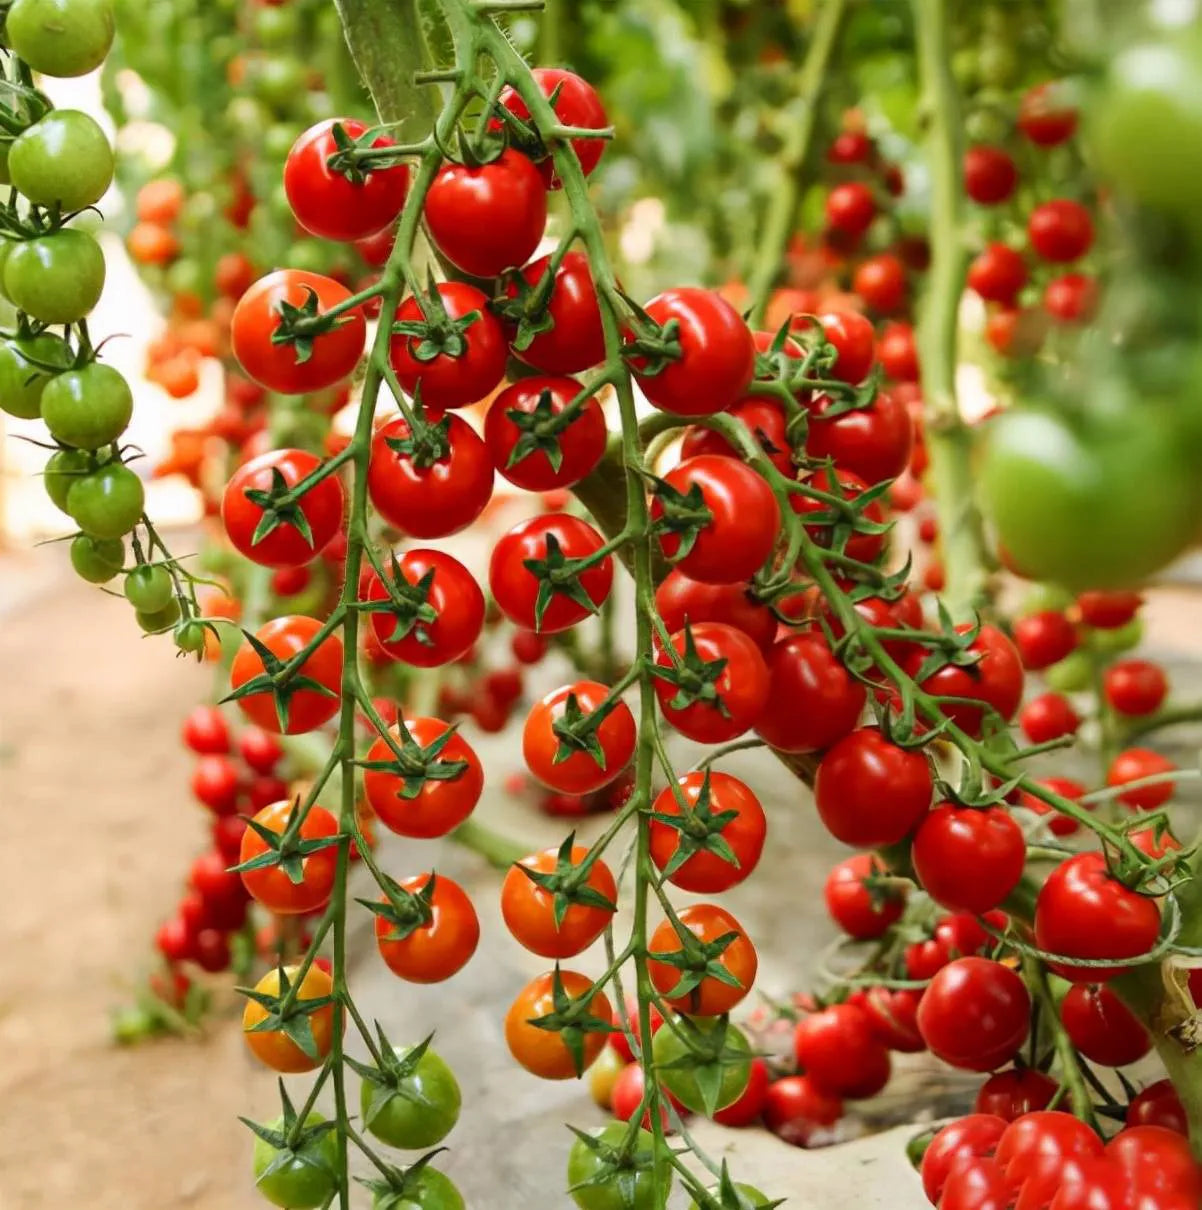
[(576, 731), (695, 679), (408, 605), (356, 158), (405, 911), (698, 961), (287, 1013), (292, 1137), (572, 1019), (286, 849), (711, 1050), (412, 1186), (300, 326)]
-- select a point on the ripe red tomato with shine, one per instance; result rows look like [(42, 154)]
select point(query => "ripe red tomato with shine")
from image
[(1044, 116), (838, 1049), (740, 688), (990, 176), (969, 859), (439, 805), (1084, 912), (1071, 298), (706, 872), (429, 494), (862, 546), (452, 594), (997, 274), (850, 208), (881, 282), (744, 520), (516, 589), (1048, 716), (576, 104), (215, 783), (813, 701), (682, 601), (575, 451), (716, 362), (854, 341), (996, 679), (861, 912), (1135, 687), (975, 1014), (286, 637), (329, 204), (873, 442), (973, 1136), (1159, 1164), (286, 545), (765, 421), (271, 885), (575, 339), (869, 792), (1060, 230), (206, 732), (1102, 1027), (577, 772), (1016, 1091), (438, 948), (1034, 1149), (711, 997), (487, 218), (1044, 638), (280, 367), (897, 351), (529, 909), (470, 362), (1158, 1105), (796, 1109), (1134, 764)]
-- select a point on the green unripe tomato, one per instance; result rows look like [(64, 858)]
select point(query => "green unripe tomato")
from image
[(108, 502), (1042, 597), (1146, 123), (22, 378), (280, 136), (634, 1189), (184, 276), (190, 636), (64, 157), (276, 26), (63, 470), (749, 1197), (97, 560), (89, 407), (1118, 640), (307, 1179), (1073, 674), (685, 1083), (418, 1114), (431, 1190), (56, 278), (280, 81), (997, 64), (148, 588), (61, 37), (155, 621), (311, 255)]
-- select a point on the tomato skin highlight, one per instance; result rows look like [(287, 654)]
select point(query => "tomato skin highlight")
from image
[(717, 361), (969, 860), (431, 501), (328, 204), (308, 709), (705, 872), (975, 1014), (973, 1136), (285, 546), (440, 806), (277, 366)]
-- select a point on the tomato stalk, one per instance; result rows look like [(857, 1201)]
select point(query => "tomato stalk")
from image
[(949, 440), (780, 220)]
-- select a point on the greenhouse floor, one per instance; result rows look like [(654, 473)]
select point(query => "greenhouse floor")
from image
[(99, 823)]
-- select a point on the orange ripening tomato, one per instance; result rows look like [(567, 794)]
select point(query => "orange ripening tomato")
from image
[(152, 244), (544, 1052), (437, 948), (529, 909), (273, 1047), (710, 997)]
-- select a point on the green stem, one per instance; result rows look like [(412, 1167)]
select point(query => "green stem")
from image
[(949, 440), (782, 209)]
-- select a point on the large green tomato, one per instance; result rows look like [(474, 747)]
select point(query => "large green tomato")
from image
[(88, 407), (647, 1191), (686, 1083), (305, 1180), (432, 1190), (749, 1197), (64, 157), (1093, 504), (22, 376), (57, 278), (420, 1112), (61, 37), (108, 502), (1146, 122)]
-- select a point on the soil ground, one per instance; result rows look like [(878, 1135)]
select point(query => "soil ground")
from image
[(98, 833)]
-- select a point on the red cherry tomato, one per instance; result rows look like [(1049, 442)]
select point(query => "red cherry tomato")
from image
[(1044, 638), (216, 784), (881, 282), (574, 340), (750, 1105), (1135, 687), (1102, 1027), (972, 1137), (897, 351), (1134, 764), (839, 1051), (1044, 116), (998, 274), (969, 859), (764, 419), (873, 442), (1071, 298), (1047, 717), (272, 885), (1011, 1093), (864, 547), (975, 1014), (861, 912), (1060, 230), (796, 1109), (206, 732), (576, 767), (850, 208), (683, 602), (853, 338), (1108, 610), (711, 996), (576, 104), (990, 176)]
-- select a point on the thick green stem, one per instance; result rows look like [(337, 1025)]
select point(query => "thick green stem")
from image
[(782, 209), (949, 441)]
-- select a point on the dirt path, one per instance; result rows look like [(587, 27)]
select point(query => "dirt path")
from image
[(96, 838)]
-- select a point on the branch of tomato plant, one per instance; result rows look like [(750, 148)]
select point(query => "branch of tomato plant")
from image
[(800, 124), (949, 440)]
